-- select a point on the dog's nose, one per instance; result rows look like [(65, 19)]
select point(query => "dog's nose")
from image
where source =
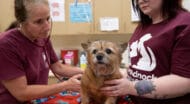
[(99, 57)]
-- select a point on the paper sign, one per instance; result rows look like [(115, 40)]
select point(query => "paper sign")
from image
[(186, 4), (57, 10), (109, 24), (80, 12)]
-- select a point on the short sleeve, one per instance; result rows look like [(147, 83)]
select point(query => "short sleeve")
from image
[(10, 64), (180, 62)]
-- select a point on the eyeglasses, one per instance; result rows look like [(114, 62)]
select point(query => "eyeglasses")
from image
[(142, 0), (146, 0)]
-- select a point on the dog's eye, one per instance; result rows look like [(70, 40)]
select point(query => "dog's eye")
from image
[(94, 51), (108, 51)]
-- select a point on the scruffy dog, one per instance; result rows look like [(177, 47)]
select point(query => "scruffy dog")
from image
[(104, 59)]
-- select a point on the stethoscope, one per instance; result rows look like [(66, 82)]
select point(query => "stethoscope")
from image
[(43, 46), (46, 53)]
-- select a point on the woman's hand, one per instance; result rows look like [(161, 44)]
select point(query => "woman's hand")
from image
[(73, 83), (117, 87)]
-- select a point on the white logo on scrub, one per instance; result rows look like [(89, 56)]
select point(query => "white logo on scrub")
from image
[(45, 60), (148, 61)]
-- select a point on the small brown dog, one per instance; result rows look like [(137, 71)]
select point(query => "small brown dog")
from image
[(104, 59)]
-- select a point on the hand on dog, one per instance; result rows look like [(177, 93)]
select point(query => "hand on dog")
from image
[(116, 87), (73, 83)]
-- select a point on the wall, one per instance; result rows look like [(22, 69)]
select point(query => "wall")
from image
[(114, 8), (71, 35), (74, 41), (7, 13)]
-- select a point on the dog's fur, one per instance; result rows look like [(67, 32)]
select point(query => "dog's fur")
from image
[(104, 59)]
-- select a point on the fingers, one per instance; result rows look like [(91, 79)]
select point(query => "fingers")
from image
[(112, 88), (112, 82), (110, 91), (113, 93), (75, 81), (74, 85), (78, 76)]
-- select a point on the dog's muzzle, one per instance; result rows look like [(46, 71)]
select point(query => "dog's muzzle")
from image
[(99, 59)]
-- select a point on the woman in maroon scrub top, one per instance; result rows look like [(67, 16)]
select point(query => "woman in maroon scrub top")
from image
[(26, 55), (159, 56)]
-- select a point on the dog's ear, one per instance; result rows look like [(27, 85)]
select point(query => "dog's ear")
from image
[(123, 47), (85, 45)]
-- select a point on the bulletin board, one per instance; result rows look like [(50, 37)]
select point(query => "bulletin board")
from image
[(100, 8), (118, 9)]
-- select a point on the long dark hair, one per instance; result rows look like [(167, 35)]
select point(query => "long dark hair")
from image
[(169, 10)]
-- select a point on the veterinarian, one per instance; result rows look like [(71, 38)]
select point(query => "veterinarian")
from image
[(27, 55), (159, 56)]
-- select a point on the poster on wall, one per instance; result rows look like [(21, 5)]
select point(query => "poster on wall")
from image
[(57, 10), (82, 12), (186, 4), (109, 23)]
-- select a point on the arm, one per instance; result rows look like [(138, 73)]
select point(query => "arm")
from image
[(21, 91), (169, 86), (65, 70)]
